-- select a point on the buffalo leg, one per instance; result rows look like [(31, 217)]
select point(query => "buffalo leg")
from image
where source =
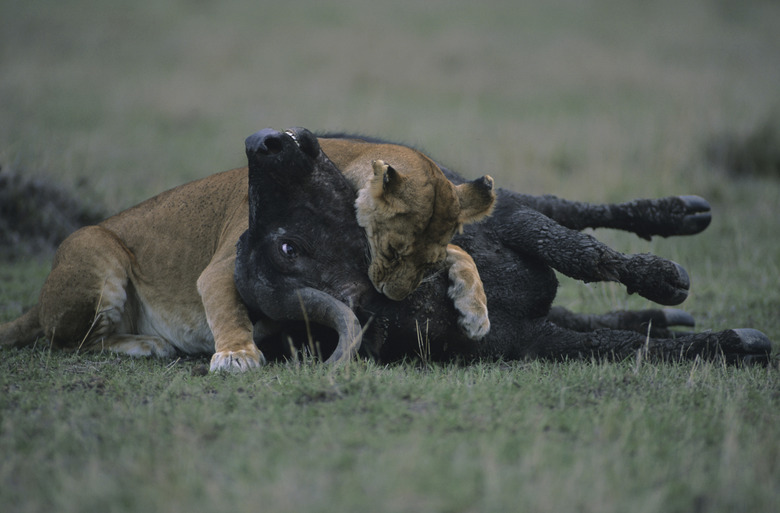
[(674, 215), (655, 322), (582, 257), (549, 341)]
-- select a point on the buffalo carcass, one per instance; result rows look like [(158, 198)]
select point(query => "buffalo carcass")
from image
[(516, 250)]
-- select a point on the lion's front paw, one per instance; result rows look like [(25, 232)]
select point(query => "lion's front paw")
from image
[(467, 293), (471, 306), (237, 361), (474, 320)]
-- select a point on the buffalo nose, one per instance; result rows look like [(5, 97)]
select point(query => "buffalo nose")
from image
[(265, 142), (305, 140)]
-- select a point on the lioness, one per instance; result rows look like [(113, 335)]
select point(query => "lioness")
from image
[(410, 212), (159, 277)]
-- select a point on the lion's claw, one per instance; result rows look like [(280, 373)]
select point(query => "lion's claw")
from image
[(236, 361), (475, 324)]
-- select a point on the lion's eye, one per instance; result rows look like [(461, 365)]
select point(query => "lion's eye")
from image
[(289, 250)]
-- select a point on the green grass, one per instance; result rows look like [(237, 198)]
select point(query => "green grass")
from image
[(101, 433), (595, 101)]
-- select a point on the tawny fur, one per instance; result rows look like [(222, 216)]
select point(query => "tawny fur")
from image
[(410, 212)]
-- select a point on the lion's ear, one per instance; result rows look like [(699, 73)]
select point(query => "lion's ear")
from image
[(386, 175), (477, 199)]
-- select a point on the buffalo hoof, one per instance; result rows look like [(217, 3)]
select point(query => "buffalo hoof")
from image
[(677, 317), (663, 323), (750, 347), (659, 280), (697, 215), (678, 287), (668, 323)]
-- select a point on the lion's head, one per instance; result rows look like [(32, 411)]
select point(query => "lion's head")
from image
[(408, 208)]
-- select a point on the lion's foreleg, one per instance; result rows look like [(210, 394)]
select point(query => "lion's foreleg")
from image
[(467, 293), (228, 319)]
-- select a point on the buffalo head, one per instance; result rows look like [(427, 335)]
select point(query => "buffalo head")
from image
[(303, 256)]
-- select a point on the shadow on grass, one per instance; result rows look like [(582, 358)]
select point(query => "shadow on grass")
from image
[(755, 153), (36, 215)]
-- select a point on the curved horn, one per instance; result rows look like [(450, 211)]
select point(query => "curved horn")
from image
[(317, 306)]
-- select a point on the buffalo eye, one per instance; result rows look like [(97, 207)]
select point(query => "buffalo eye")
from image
[(289, 250)]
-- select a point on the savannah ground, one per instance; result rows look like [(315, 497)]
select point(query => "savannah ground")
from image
[(596, 101)]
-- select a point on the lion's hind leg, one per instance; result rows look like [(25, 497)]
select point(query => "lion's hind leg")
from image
[(110, 325), (84, 299), (134, 345)]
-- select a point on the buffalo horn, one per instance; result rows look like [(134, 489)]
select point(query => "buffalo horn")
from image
[(317, 306)]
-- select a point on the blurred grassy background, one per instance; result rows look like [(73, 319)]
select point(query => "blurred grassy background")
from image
[(599, 101)]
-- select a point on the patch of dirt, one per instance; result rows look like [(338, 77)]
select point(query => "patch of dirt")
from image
[(36, 215), (755, 153)]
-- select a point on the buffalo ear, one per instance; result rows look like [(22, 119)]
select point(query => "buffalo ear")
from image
[(476, 198), (387, 180)]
